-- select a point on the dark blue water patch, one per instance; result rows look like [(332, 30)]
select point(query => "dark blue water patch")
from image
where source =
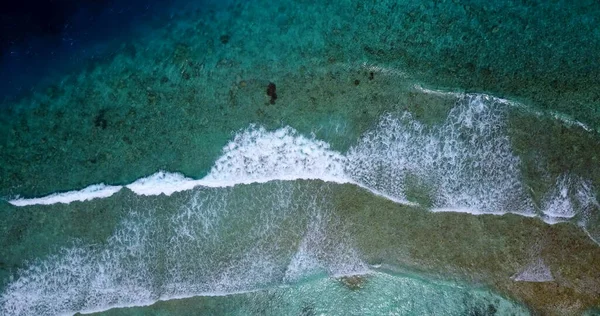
[(42, 39)]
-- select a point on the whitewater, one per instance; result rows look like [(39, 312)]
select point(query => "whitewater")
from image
[(467, 162)]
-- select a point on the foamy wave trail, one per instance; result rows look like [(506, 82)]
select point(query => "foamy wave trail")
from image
[(191, 250), (563, 118), (257, 155), (573, 197), (536, 271), (560, 203), (253, 156), (318, 252), (162, 182), (465, 164), (94, 191)]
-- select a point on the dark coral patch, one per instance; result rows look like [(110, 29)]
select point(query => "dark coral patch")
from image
[(272, 92)]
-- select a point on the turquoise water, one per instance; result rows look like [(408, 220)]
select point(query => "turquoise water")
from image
[(376, 294), (420, 158)]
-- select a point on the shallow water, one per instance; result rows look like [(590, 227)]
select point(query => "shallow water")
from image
[(372, 294), (420, 158)]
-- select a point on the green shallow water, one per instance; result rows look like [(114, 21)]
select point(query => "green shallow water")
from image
[(467, 107), (373, 294), (131, 250)]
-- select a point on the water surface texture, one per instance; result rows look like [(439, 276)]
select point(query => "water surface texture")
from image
[(300, 158)]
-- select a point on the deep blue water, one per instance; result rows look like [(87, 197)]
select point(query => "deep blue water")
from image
[(41, 40)]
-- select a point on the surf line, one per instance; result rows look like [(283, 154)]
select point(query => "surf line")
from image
[(167, 183), (564, 118)]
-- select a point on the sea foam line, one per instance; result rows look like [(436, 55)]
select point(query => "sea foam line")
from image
[(253, 156), (564, 118), (167, 183), (94, 191), (397, 148)]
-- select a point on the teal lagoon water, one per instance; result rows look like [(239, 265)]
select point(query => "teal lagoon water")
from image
[(420, 158)]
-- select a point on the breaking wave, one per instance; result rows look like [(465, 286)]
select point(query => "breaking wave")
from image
[(465, 165)]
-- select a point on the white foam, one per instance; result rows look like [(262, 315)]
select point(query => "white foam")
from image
[(571, 195), (439, 93), (253, 156), (465, 164), (564, 118), (257, 155), (162, 183), (463, 210), (94, 191), (318, 253), (156, 255), (557, 203), (588, 202), (536, 271), (569, 121), (305, 260)]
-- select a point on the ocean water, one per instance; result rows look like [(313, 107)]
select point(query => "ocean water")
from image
[(419, 158)]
